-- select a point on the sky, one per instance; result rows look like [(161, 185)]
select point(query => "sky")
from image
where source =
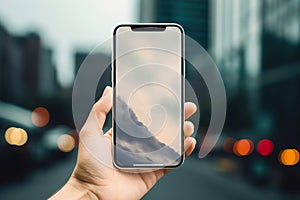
[(67, 25)]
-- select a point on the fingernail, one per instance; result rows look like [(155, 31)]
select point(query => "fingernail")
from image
[(192, 140), (189, 128), (188, 142), (105, 92)]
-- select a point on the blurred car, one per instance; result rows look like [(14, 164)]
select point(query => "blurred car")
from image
[(25, 146), (53, 145), (14, 156), (245, 161)]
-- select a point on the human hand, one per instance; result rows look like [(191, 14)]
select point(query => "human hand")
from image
[(94, 175)]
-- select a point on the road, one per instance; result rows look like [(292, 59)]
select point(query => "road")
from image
[(196, 179)]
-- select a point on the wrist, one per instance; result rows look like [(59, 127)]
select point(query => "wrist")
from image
[(75, 189)]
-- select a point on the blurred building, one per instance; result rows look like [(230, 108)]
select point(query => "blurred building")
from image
[(256, 45), (10, 67), (92, 61), (26, 70), (48, 83), (281, 68), (236, 48), (79, 58), (38, 71), (30, 47), (193, 15), (235, 42)]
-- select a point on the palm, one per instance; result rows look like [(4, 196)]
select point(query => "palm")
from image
[(100, 172)]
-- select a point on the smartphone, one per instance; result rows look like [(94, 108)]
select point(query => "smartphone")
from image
[(148, 99)]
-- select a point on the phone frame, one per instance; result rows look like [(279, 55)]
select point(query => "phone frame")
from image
[(148, 27)]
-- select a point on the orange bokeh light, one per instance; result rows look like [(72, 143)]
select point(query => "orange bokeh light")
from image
[(289, 157), (40, 117), (243, 147)]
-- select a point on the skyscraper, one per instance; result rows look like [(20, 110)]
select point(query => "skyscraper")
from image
[(193, 15)]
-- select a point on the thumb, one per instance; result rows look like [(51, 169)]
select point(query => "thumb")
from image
[(97, 116)]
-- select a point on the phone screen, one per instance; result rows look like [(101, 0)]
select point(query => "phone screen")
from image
[(148, 80)]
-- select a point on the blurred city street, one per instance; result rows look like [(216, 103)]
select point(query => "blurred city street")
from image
[(254, 45), (41, 183), (196, 179)]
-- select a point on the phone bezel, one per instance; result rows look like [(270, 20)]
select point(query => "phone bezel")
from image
[(149, 27)]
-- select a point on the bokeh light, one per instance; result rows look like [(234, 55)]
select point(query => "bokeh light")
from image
[(228, 144), (40, 117), (265, 147), (225, 165), (66, 143), (7, 134), (289, 157), (243, 147), (16, 136)]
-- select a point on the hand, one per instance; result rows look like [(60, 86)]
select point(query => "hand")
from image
[(95, 177)]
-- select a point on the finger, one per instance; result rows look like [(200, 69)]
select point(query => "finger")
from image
[(108, 134), (188, 128), (189, 145), (103, 106), (97, 115), (189, 109)]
